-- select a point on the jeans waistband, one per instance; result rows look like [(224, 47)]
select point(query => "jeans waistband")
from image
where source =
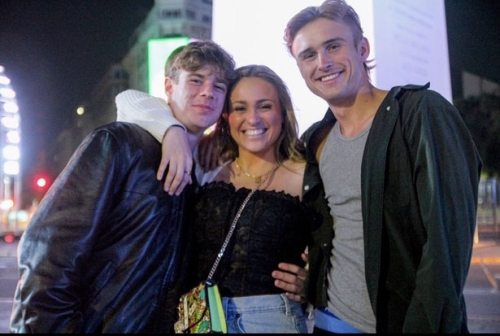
[(326, 320), (260, 303)]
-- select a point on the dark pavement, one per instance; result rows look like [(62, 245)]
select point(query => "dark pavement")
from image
[(482, 290), (8, 280)]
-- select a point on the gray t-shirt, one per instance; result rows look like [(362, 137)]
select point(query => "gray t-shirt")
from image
[(340, 169)]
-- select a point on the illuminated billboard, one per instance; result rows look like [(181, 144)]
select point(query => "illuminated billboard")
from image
[(408, 42), (158, 52)]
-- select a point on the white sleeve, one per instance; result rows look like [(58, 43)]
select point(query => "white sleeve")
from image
[(150, 112)]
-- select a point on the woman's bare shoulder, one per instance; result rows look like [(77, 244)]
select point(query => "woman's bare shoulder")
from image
[(289, 178), (295, 167)]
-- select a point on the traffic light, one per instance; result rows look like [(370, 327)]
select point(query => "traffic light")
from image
[(41, 182)]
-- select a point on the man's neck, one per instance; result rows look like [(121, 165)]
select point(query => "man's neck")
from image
[(193, 140), (193, 133), (355, 117)]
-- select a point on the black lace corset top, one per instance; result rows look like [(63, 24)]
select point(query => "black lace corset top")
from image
[(274, 227)]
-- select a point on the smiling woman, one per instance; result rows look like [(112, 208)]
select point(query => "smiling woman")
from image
[(255, 119)]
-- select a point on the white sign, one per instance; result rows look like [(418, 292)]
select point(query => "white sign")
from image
[(408, 43)]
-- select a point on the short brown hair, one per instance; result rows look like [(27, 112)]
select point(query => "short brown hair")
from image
[(198, 54)]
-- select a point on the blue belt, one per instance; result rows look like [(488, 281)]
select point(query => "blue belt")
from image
[(326, 320)]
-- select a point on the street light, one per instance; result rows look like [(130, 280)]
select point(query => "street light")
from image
[(10, 155)]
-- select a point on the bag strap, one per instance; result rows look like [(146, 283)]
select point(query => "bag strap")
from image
[(233, 225)]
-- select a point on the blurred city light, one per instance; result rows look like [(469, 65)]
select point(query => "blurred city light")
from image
[(6, 204), (10, 122), (11, 152), (10, 177), (11, 168), (10, 107), (41, 182), (7, 92), (13, 137), (4, 79)]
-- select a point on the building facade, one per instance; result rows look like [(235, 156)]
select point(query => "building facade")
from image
[(167, 18)]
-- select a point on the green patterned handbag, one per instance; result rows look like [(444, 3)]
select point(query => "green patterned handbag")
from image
[(200, 311)]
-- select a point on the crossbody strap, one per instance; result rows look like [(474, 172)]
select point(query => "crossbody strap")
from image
[(233, 225)]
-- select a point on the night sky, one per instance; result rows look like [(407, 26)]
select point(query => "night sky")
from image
[(55, 52)]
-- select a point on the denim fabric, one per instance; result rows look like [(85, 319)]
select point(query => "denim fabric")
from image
[(264, 314)]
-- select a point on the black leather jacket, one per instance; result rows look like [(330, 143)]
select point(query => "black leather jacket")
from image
[(103, 253)]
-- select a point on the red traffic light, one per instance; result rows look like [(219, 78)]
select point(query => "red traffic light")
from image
[(41, 182), (9, 238)]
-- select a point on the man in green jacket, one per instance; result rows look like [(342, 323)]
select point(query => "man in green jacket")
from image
[(399, 172)]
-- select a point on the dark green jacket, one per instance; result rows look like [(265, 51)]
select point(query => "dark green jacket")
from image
[(419, 182)]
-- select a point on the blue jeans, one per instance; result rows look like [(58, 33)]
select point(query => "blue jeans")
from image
[(264, 314)]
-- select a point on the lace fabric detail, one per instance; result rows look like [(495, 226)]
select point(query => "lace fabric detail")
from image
[(274, 227)]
